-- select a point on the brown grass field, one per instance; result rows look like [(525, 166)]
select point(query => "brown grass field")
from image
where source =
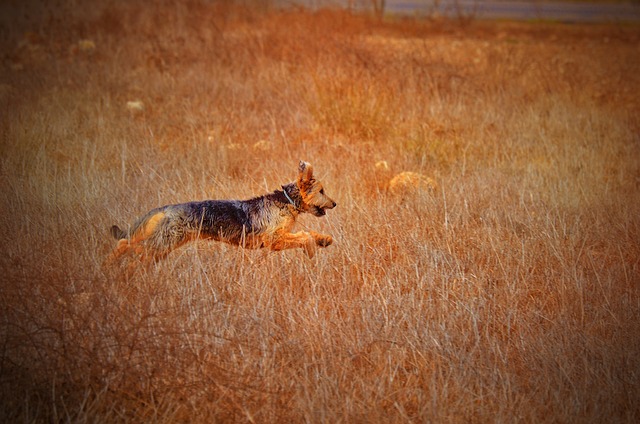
[(506, 288)]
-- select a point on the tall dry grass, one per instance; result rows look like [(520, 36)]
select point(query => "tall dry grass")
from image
[(511, 292)]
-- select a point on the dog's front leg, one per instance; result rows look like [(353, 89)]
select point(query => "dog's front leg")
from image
[(302, 239)]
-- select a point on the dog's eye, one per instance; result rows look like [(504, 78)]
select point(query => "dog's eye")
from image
[(322, 191)]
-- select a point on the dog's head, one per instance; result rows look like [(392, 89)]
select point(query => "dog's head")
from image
[(314, 199)]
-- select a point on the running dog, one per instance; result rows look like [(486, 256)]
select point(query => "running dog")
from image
[(262, 222)]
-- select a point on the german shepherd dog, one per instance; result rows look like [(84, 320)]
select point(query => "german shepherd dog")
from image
[(262, 222)]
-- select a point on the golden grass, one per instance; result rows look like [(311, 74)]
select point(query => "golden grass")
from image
[(510, 292)]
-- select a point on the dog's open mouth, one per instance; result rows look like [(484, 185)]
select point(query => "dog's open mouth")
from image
[(318, 211)]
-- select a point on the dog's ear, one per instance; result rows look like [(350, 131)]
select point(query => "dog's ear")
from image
[(305, 171)]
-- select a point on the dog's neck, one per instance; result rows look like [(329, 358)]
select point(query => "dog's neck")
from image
[(292, 194)]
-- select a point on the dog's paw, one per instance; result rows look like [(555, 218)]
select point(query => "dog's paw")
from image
[(325, 241), (322, 240)]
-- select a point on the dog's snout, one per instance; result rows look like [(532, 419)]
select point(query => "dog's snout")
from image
[(334, 205)]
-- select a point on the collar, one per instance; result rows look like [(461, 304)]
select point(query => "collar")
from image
[(284, 190)]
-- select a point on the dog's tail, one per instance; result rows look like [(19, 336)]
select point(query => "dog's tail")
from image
[(117, 233)]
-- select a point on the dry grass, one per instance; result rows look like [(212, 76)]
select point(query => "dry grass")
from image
[(511, 292)]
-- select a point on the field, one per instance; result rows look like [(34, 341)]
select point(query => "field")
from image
[(506, 289)]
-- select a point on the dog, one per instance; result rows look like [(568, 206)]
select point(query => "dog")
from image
[(261, 222)]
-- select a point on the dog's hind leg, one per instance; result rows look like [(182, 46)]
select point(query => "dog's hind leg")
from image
[(122, 248)]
